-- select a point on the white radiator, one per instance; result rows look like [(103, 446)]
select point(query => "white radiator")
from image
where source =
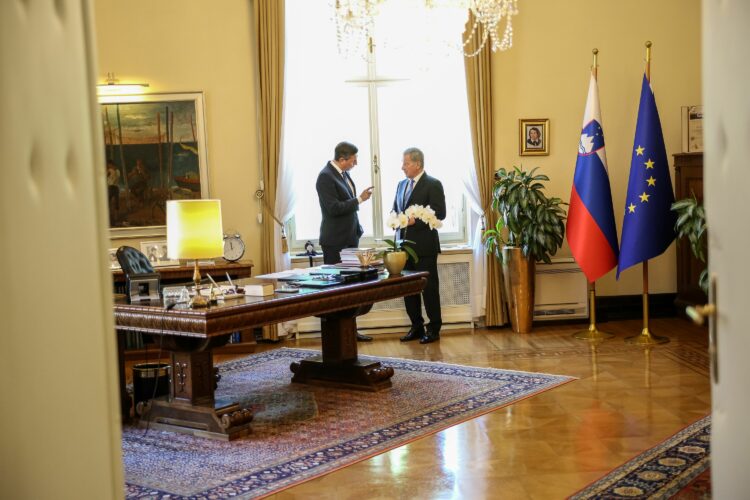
[(560, 291), (455, 292)]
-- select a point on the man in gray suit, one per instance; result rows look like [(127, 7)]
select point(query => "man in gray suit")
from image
[(339, 204)]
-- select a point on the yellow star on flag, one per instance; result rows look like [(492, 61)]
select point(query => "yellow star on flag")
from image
[(639, 151), (631, 208), (644, 197), (651, 181), (649, 163)]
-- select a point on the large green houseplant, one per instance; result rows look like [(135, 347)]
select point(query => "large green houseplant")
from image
[(691, 224), (530, 228)]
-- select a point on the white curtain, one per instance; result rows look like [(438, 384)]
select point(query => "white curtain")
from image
[(479, 257)]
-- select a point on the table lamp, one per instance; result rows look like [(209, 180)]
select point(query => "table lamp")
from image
[(194, 231)]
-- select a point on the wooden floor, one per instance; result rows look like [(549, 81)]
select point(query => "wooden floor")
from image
[(627, 399)]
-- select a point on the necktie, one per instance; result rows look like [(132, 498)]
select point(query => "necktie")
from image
[(407, 192), (348, 182)]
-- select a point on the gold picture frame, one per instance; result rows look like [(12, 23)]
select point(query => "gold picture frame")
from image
[(533, 136), (155, 147)]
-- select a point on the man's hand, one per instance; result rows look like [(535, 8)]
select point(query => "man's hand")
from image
[(412, 221), (366, 194)]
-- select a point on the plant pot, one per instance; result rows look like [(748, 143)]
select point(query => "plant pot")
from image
[(518, 278), (394, 262)]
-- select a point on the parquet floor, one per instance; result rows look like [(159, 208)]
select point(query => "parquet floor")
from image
[(627, 399)]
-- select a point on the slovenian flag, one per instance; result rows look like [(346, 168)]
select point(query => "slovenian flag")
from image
[(648, 225), (591, 230)]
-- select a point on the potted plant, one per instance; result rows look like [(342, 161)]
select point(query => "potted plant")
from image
[(530, 228), (691, 223), (394, 257), (396, 254)]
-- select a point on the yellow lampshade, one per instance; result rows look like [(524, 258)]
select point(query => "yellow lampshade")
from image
[(194, 229)]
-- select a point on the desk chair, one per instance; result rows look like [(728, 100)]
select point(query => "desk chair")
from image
[(141, 281)]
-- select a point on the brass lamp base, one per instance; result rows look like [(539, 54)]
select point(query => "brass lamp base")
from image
[(198, 301), (646, 338), (593, 333)]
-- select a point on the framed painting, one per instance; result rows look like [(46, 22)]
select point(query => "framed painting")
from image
[(533, 137), (155, 150), (113, 262)]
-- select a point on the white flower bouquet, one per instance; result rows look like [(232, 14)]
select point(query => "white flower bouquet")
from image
[(401, 220), (425, 214)]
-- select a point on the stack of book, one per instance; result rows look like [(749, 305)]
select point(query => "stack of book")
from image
[(360, 257)]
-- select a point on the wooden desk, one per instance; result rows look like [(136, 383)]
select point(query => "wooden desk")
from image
[(191, 334), (184, 274)]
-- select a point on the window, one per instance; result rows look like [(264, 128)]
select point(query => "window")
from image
[(409, 92)]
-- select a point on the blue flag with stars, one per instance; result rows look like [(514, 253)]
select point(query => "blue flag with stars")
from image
[(648, 224)]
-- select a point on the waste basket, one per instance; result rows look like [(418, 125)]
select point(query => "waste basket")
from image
[(150, 380)]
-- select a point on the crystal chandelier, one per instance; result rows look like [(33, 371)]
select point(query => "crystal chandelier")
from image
[(355, 22), (488, 15)]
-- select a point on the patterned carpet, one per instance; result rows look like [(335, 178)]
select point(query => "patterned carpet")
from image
[(301, 432), (661, 472)]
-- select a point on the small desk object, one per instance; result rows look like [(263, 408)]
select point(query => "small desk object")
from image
[(171, 275), (191, 334)]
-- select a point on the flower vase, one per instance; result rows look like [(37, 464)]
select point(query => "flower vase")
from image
[(394, 262)]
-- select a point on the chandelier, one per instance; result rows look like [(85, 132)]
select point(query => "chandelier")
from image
[(355, 23)]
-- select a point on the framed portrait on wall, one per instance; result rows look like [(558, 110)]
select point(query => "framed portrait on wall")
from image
[(533, 135), (155, 150)]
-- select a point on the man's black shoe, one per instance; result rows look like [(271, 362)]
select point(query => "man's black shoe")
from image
[(363, 338), (414, 334), (427, 338)]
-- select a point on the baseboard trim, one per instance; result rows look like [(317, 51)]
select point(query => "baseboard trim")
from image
[(616, 307)]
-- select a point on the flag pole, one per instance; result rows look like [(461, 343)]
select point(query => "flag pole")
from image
[(646, 337), (592, 332)]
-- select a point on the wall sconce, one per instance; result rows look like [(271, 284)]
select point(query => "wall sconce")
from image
[(112, 86)]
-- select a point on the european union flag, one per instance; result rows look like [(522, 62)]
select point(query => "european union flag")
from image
[(648, 224)]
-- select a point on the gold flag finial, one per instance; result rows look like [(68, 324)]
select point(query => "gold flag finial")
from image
[(595, 52)]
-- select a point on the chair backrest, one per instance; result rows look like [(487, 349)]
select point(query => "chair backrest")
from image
[(133, 261)]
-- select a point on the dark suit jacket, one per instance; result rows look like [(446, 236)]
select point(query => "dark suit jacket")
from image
[(428, 191), (339, 206)]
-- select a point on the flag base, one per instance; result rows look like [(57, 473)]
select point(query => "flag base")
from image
[(593, 333), (646, 338)]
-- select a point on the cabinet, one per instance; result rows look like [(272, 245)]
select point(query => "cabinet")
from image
[(688, 180)]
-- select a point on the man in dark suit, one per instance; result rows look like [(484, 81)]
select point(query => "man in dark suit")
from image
[(339, 204), (420, 189)]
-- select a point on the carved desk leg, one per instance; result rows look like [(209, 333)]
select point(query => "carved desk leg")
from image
[(338, 364), (191, 407)]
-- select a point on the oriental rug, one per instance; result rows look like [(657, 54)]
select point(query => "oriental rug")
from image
[(300, 432), (661, 472)]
